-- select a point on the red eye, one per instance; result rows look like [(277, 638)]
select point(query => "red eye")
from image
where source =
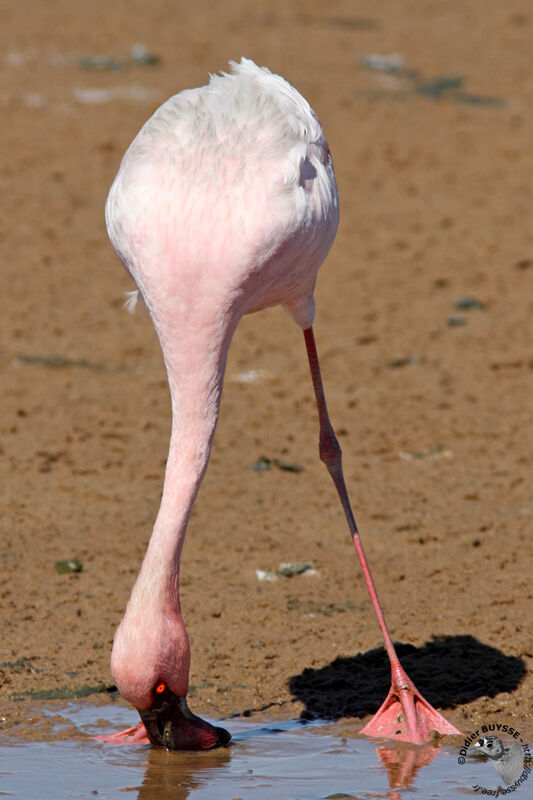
[(160, 688)]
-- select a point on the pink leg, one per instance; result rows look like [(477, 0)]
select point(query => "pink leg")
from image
[(405, 714)]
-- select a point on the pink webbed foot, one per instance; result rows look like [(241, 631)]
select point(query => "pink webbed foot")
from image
[(407, 716), (169, 723), (135, 735)]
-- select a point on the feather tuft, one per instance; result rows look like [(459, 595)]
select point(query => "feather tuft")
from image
[(131, 300)]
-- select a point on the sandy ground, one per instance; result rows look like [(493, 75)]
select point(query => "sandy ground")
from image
[(435, 178)]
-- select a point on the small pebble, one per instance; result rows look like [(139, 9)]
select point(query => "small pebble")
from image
[(456, 320), (397, 363), (69, 565), (390, 63), (435, 88), (100, 62), (261, 465), (467, 303), (288, 466), (141, 56), (286, 570), (296, 568)]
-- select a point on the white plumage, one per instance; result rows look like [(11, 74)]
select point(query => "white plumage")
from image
[(239, 177)]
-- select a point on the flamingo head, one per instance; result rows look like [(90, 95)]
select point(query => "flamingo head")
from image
[(169, 723), (150, 665)]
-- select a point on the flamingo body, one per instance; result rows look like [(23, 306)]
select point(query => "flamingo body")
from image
[(225, 203), (227, 199)]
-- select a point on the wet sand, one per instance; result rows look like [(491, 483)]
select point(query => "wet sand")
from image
[(431, 401)]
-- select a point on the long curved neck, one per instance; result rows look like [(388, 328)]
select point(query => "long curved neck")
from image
[(151, 642), (195, 365)]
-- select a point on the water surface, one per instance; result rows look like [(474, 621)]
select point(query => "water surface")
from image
[(265, 762)]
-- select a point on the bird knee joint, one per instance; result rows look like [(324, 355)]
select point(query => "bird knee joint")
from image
[(330, 451)]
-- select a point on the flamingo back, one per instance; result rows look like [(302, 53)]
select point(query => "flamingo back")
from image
[(227, 195)]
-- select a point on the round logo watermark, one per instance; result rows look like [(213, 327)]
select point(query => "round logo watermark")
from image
[(509, 752)]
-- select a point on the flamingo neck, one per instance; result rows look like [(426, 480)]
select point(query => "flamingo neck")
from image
[(196, 388), (151, 642)]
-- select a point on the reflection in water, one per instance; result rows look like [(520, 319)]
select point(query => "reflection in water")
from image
[(260, 764), (176, 775), (403, 763)]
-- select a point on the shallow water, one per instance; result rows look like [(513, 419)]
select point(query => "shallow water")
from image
[(265, 762)]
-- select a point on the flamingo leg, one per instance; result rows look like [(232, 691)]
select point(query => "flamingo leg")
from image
[(405, 715)]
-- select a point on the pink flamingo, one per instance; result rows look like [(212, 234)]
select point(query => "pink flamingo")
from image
[(225, 203)]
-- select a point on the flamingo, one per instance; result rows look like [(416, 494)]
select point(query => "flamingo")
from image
[(225, 203)]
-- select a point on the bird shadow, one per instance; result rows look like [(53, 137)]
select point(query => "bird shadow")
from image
[(448, 671)]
